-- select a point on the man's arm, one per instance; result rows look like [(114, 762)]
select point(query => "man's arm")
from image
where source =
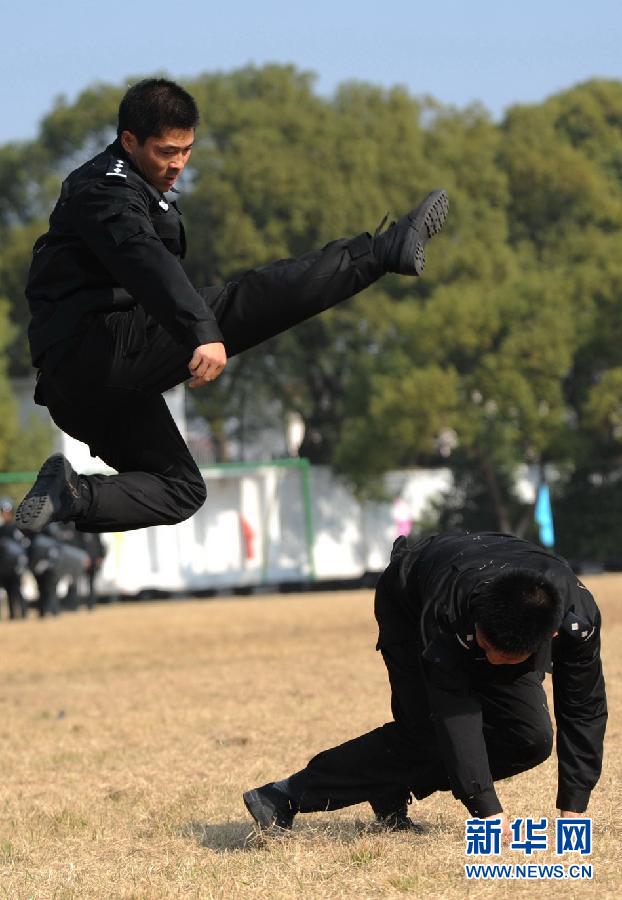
[(113, 220), (580, 704), (457, 717)]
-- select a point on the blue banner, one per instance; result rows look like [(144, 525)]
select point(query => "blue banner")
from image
[(544, 516)]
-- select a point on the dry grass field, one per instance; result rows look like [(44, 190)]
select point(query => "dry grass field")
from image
[(129, 734)]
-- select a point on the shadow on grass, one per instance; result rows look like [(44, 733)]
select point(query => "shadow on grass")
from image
[(241, 835), (222, 837)]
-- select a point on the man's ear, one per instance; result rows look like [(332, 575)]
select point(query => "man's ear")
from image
[(129, 141)]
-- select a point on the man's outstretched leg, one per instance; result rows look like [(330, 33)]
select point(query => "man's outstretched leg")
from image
[(382, 768), (273, 298)]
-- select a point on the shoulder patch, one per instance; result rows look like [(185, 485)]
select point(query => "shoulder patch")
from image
[(576, 627), (467, 640), (117, 168)]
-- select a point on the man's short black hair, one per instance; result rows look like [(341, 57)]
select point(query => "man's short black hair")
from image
[(154, 105), (517, 611)]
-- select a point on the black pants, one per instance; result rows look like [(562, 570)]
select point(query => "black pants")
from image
[(107, 393), (402, 757), (47, 585)]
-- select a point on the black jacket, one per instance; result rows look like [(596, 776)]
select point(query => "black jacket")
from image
[(428, 593), (114, 241)]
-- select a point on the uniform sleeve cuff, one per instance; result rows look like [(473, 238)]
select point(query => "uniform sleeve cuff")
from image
[(573, 799), (483, 804), (205, 333)]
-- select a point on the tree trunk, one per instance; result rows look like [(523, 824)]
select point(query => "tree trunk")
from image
[(490, 476)]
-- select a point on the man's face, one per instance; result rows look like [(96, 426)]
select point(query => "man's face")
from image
[(160, 159), (497, 657)]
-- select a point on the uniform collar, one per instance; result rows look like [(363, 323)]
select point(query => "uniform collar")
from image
[(117, 150)]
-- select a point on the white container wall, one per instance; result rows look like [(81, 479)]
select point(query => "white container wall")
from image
[(254, 530)]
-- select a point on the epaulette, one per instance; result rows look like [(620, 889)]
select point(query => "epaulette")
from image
[(117, 168), (467, 639), (576, 627)]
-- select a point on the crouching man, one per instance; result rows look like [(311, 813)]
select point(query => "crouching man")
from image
[(469, 624)]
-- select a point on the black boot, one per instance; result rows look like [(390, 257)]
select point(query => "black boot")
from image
[(395, 819), (270, 807), (58, 495), (401, 248)]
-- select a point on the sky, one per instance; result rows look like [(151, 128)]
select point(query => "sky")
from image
[(458, 51)]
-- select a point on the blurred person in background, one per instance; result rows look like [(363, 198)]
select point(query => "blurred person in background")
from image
[(94, 547), (468, 626), (13, 560), (82, 555), (56, 562), (116, 322), (43, 557)]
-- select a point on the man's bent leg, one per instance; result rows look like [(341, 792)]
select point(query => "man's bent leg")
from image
[(107, 393), (382, 767), (402, 757), (411, 737), (133, 432), (363, 769), (359, 770)]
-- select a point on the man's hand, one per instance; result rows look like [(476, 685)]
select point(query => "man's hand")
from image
[(207, 363), (506, 831)]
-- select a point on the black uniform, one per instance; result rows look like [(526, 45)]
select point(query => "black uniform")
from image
[(461, 723), (115, 322)]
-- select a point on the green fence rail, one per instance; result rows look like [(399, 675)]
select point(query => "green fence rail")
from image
[(17, 477)]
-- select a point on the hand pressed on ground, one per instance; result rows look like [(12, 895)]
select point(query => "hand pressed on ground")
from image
[(506, 831)]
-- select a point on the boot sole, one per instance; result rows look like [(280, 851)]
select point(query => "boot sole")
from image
[(427, 220), (43, 500)]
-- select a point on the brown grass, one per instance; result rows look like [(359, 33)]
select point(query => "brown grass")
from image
[(129, 734)]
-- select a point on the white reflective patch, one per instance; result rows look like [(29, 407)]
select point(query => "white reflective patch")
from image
[(163, 204), (575, 626), (118, 168)]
